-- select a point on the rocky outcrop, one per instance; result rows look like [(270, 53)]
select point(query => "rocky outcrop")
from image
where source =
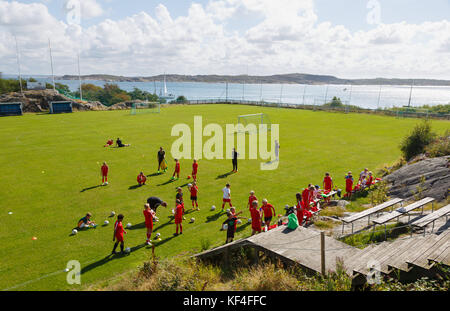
[(406, 181), (38, 101)]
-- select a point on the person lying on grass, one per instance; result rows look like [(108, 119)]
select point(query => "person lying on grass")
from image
[(109, 143), (86, 221), (231, 223), (120, 144), (141, 179)]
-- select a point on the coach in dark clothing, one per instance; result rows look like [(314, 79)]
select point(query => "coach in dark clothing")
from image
[(161, 156), (154, 202), (234, 161)]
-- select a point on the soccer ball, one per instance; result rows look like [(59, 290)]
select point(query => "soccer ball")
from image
[(106, 183), (189, 185), (158, 235), (213, 208), (189, 176), (228, 210), (249, 220), (113, 213), (127, 250), (106, 222), (225, 227), (128, 225), (239, 222), (74, 231), (192, 219)]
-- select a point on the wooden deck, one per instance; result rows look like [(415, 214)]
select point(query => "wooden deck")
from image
[(302, 247)]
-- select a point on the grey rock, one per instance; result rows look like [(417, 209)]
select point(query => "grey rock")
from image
[(404, 182)]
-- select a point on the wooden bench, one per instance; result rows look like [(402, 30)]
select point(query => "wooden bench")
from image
[(376, 209), (401, 211), (431, 218)]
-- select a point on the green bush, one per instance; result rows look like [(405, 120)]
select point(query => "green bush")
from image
[(440, 147), (416, 142)]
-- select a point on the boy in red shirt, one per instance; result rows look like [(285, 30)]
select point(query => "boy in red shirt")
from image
[(306, 198), (104, 170), (194, 191), (118, 234), (109, 143), (348, 185), (141, 179), (179, 217), (256, 217), (194, 170), (251, 198), (327, 185), (148, 214), (268, 211), (177, 169)]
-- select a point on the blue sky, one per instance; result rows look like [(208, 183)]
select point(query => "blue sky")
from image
[(350, 13), (411, 38)]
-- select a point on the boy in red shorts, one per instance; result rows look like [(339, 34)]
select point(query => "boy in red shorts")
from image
[(179, 217), (177, 169), (226, 196), (118, 234), (194, 170), (256, 217), (148, 214), (194, 192), (104, 170), (141, 179)]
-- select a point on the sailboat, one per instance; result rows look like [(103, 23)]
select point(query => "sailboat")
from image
[(166, 96)]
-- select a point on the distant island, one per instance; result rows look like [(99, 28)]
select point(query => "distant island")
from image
[(294, 78)]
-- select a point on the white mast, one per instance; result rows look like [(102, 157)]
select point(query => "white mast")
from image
[(79, 76), (410, 93), (51, 64), (379, 97), (18, 65)]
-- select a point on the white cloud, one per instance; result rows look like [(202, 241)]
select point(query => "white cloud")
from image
[(287, 38)]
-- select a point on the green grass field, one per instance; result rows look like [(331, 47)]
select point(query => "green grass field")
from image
[(47, 160)]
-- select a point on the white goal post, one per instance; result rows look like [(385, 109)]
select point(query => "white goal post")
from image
[(256, 119), (152, 107)]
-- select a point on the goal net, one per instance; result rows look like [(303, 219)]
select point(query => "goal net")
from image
[(256, 119), (146, 107)]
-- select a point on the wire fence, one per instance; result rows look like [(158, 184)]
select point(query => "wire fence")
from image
[(403, 112)]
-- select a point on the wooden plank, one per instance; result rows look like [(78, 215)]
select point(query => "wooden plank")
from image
[(412, 251), (421, 260), (423, 222), (444, 258), (372, 210), (403, 210)]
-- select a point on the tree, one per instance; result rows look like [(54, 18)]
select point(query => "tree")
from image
[(415, 143)]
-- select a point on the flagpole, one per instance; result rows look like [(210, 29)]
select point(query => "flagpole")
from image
[(79, 76), (18, 65), (51, 63)]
